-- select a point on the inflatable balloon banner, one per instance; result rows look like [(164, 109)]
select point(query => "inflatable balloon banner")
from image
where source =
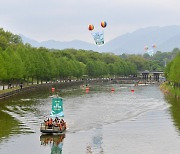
[(151, 51), (98, 36)]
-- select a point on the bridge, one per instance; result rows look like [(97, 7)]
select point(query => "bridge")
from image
[(154, 75)]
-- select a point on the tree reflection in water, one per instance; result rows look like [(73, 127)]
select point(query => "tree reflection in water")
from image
[(174, 109), (55, 141)]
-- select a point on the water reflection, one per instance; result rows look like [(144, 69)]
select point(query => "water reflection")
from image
[(8, 125), (96, 144), (174, 109), (23, 112), (54, 141)]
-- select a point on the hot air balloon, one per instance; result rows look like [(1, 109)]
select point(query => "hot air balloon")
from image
[(154, 45), (103, 24), (146, 48), (90, 27)]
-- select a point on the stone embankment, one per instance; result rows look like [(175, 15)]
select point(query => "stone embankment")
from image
[(31, 87), (118, 80)]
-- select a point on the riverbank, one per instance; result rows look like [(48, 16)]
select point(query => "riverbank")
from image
[(120, 80), (13, 91), (170, 91), (64, 83)]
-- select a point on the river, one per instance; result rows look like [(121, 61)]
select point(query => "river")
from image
[(99, 122)]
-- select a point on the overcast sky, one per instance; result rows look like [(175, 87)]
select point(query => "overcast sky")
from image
[(66, 20)]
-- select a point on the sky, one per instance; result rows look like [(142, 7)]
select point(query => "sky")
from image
[(67, 20)]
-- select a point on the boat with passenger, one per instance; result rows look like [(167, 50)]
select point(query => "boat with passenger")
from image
[(55, 123)]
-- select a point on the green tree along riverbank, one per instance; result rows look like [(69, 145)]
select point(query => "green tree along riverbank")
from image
[(157, 62), (22, 63), (172, 73)]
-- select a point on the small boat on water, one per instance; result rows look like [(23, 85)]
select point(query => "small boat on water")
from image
[(56, 123)]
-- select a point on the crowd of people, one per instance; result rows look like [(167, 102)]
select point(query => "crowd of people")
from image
[(50, 123)]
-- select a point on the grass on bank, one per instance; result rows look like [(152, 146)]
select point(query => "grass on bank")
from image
[(170, 90), (8, 90), (13, 89)]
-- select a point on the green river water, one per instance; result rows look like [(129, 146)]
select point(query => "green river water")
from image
[(99, 122)]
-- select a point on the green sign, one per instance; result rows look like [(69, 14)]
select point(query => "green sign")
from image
[(57, 105)]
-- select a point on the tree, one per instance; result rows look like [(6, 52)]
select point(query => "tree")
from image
[(3, 71), (174, 70)]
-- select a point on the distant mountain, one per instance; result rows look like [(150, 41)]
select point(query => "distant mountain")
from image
[(166, 39), (52, 44)]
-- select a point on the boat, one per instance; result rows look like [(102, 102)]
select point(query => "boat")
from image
[(55, 123)]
